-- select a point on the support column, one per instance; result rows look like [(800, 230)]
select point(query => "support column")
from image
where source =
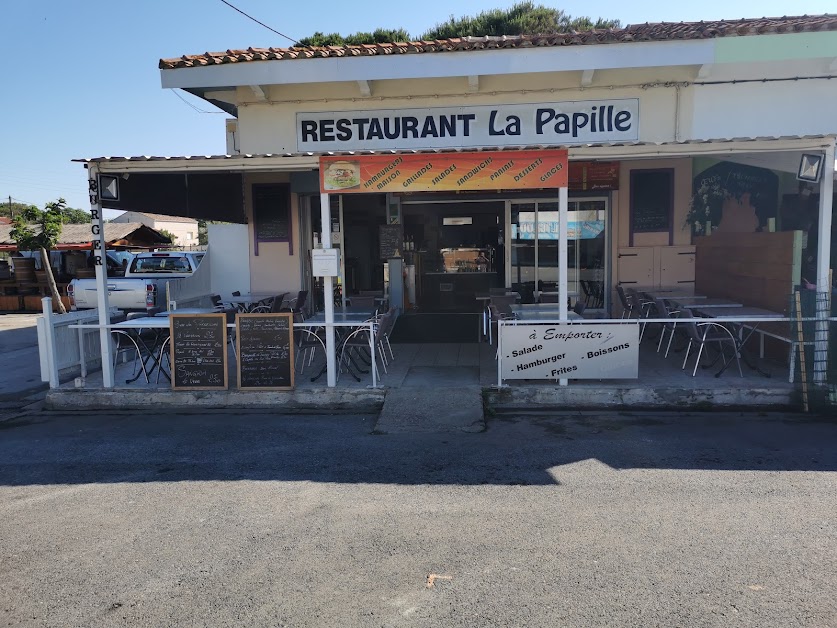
[(328, 294), (563, 232), (97, 229), (824, 263)]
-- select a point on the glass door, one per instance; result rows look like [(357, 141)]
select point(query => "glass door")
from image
[(534, 261)]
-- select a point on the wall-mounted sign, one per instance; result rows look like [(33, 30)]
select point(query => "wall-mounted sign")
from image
[(325, 262), (502, 170), (593, 175), (582, 225), (570, 351), (578, 122)]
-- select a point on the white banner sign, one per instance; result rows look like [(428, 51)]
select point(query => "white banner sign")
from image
[(528, 124), (570, 351)]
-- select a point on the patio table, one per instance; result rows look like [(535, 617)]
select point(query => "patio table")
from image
[(249, 301), (347, 317), (701, 301), (187, 310), (740, 318), (542, 311)]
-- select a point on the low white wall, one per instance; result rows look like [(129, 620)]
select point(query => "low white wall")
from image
[(67, 348)]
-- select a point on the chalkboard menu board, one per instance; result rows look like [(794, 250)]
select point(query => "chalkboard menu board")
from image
[(272, 213), (198, 351), (390, 241), (265, 351), (652, 200)]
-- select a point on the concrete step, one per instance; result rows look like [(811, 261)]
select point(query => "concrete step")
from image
[(429, 409)]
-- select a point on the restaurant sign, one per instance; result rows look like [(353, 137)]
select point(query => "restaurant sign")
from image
[(578, 122), (501, 170), (570, 351)]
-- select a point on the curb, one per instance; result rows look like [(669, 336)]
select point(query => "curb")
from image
[(519, 398), (325, 400)]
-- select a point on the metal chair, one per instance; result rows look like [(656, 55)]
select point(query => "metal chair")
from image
[(579, 307), (663, 311), (709, 332), (362, 301), (273, 307)]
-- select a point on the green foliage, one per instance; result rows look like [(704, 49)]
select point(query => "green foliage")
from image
[(16, 208), (74, 216), (50, 222), (70, 214), (168, 234), (524, 18), (379, 36)]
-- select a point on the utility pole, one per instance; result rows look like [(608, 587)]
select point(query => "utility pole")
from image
[(11, 215)]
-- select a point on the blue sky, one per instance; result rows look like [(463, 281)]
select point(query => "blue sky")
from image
[(80, 77)]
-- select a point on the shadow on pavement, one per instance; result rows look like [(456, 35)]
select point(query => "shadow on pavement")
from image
[(50, 449)]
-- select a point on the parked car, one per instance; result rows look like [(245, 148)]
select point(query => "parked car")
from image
[(143, 287)]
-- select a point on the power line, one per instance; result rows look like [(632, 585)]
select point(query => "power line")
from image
[(261, 23), (198, 109)]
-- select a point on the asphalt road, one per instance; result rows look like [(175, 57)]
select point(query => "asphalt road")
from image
[(578, 520)]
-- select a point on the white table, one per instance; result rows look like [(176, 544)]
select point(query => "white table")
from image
[(249, 301), (542, 311), (187, 310), (740, 317), (701, 301)]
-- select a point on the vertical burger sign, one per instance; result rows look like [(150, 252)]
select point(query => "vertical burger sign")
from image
[(577, 122)]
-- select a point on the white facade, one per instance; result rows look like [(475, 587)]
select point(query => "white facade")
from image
[(185, 230)]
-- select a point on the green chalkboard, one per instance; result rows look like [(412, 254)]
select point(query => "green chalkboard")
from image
[(272, 212), (652, 200)]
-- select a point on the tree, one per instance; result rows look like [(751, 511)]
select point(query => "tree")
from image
[(524, 18), (28, 239), (203, 236), (169, 235), (74, 216), (70, 214), (378, 36)]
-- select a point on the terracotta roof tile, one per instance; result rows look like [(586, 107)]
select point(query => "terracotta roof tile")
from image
[(659, 31)]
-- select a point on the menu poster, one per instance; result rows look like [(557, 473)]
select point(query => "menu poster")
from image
[(593, 175), (390, 241), (198, 351), (444, 172), (265, 351)]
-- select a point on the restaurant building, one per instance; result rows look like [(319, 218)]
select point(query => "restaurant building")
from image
[(569, 164)]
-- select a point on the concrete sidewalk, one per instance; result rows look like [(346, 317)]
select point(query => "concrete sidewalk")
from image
[(19, 362)]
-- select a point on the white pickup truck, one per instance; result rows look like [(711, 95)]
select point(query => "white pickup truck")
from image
[(143, 287)]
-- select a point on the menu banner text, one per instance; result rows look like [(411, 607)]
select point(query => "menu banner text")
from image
[(504, 170)]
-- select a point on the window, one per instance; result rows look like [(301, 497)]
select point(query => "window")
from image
[(652, 201)]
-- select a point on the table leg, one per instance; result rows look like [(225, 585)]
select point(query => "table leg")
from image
[(742, 354)]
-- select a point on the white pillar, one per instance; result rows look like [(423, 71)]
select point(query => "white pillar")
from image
[(328, 293), (824, 238), (49, 337), (824, 261), (563, 232), (97, 228)]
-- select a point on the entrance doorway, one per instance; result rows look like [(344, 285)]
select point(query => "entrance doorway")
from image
[(533, 258)]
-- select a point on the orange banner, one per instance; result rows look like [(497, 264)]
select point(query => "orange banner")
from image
[(506, 170)]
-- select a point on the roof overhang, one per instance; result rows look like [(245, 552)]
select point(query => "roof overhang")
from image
[(298, 162), (441, 65)]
